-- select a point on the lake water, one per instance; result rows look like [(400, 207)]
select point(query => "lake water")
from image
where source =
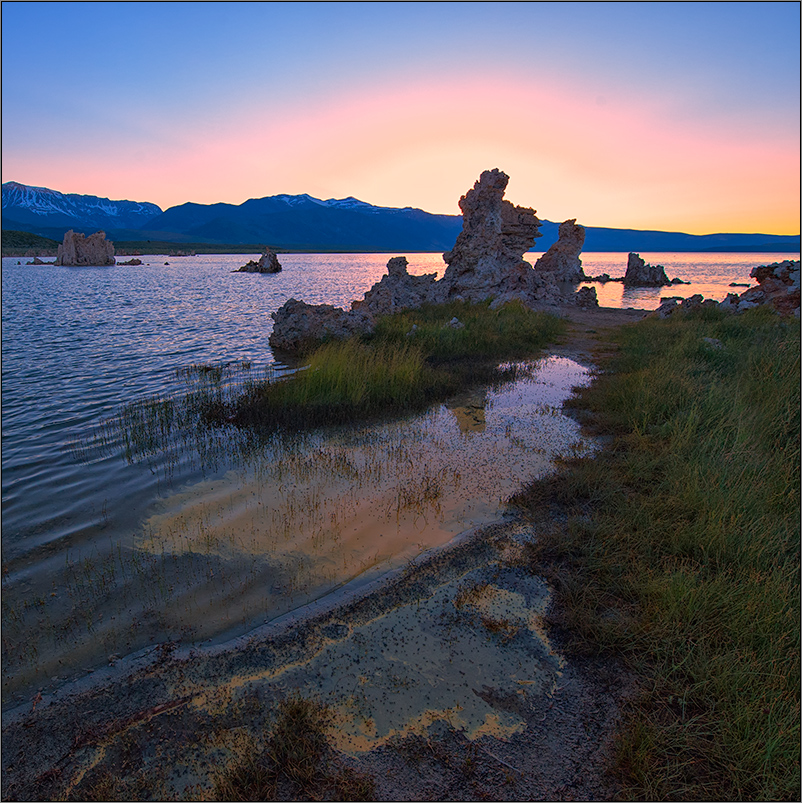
[(102, 556)]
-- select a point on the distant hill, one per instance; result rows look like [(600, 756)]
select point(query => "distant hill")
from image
[(304, 223)]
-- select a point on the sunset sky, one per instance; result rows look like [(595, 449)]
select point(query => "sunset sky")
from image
[(671, 116)]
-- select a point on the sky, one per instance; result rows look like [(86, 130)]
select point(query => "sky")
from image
[(670, 116)]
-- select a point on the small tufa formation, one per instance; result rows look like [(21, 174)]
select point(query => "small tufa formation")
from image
[(487, 258), (640, 274), (562, 259), (76, 249), (398, 290), (778, 287), (267, 263), (297, 325), (132, 261)]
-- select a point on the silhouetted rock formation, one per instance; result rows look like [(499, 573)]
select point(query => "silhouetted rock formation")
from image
[(640, 274), (487, 258), (267, 263), (76, 249), (562, 259), (133, 261)]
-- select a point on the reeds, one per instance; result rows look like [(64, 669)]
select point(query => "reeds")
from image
[(688, 563)]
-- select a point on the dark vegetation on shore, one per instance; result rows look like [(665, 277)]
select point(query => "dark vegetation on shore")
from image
[(168, 248), (19, 243), (295, 762), (682, 551)]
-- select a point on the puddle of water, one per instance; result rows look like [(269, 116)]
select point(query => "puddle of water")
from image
[(304, 516), (364, 501)]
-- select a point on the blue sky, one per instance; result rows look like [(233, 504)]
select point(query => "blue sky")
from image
[(650, 115)]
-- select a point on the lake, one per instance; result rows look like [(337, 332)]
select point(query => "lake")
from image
[(103, 555)]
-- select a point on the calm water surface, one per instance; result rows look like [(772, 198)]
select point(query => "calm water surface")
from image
[(103, 556)]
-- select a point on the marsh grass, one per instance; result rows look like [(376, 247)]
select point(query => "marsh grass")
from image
[(682, 551), (231, 406), (397, 368)]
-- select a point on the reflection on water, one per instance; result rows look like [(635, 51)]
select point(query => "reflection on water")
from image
[(708, 273), (102, 557), (293, 521)]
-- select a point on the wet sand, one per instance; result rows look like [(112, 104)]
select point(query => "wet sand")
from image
[(443, 678)]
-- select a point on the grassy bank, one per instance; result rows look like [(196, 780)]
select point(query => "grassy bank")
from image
[(412, 359), (682, 551), (387, 373), (23, 243)]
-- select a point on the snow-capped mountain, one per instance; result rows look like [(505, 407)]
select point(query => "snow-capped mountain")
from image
[(305, 223), (50, 208), (337, 203)]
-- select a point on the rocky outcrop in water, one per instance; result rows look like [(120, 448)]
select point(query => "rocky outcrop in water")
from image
[(778, 287), (641, 274), (486, 262), (398, 290), (487, 258), (562, 259), (132, 261), (267, 263), (76, 249), (297, 324)]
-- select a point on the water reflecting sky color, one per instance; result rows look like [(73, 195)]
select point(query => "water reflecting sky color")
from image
[(102, 556)]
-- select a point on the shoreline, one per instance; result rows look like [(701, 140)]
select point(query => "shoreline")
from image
[(197, 689)]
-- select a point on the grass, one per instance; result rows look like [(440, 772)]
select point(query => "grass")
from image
[(398, 368), (387, 373), (296, 762), (681, 555)]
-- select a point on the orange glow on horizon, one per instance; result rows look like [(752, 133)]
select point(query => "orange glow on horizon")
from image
[(621, 165)]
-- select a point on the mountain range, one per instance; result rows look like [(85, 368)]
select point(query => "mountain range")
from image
[(304, 223)]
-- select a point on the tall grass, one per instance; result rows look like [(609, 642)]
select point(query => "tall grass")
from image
[(411, 358), (684, 550), (510, 332), (340, 381)]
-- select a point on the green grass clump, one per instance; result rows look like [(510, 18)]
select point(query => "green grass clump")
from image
[(684, 551), (343, 380), (396, 368), (510, 332)]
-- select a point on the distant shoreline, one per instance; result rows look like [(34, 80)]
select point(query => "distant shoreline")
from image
[(125, 249)]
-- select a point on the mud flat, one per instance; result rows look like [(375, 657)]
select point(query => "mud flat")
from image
[(443, 679)]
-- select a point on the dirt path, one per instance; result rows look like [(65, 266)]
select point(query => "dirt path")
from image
[(443, 680)]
